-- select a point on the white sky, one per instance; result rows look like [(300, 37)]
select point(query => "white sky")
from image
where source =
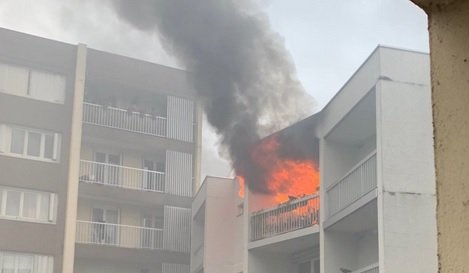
[(328, 39)]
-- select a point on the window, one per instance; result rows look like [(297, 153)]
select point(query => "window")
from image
[(21, 204), (40, 85), (14, 79), (12, 262), (29, 143)]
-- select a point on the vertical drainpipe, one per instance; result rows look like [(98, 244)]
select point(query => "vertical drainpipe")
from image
[(74, 161)]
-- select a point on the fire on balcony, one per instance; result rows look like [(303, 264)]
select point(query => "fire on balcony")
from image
[(283, 166)]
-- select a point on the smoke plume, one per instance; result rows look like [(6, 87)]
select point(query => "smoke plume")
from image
[(241, 70)]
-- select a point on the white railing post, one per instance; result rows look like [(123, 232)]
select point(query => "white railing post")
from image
[(121, 176), (287, 217), (123, 119), (118, 235)]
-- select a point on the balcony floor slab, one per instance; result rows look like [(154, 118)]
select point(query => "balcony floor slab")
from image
[(129, 255), (289, 242)]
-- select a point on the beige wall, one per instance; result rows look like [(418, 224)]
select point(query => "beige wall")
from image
[(128, 158), (128, 215), (449, 48)]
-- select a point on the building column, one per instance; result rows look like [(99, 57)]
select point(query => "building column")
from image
[(449, 50), (74, 161)]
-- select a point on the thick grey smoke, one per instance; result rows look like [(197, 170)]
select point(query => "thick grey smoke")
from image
[(241, 70)]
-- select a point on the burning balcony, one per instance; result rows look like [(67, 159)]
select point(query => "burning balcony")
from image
[(286, 217), (121, 176)]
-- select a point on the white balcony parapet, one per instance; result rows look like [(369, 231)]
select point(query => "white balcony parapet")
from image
[(297, 214), (118, 235), (123, 119), (374, 268), (359, 181), (120, 176)]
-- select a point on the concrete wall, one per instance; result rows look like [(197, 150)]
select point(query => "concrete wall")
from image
[(350, 250), (222, 251), (406, 191), (404, 66), (129, 158), (366, 148), (350, 94), (336, 161), (128, 215), (262, 262), (449, 44), (42, 54), (367, 249), (339, 250), (92, 266)]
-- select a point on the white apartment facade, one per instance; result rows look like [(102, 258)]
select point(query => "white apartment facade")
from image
[(376, 208)]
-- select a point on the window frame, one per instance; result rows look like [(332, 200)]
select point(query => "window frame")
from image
[(6, 138), (30, 71), (51, 210), (36, 261)]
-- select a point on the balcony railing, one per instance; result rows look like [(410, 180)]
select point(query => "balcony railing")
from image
[(120, 176), (359, 181), (123, 119), (287, 217), (369, 269), (119, 235)]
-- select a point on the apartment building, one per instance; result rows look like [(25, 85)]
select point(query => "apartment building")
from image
[(376, 201), (99, 156)]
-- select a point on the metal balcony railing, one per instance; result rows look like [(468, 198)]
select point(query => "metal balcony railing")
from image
[(287, 217), (369, 269), (123, 119), (359, 181), (120, 176), (119, 235)]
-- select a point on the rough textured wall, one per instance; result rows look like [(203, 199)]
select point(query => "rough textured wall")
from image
[(449, 46)]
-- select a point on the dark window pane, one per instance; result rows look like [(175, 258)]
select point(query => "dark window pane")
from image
[(44, 212), (34, 144), (49, 146), (29, 205), (17, 141), (13, 203)]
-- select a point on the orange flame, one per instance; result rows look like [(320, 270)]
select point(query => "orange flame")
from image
[(286, 178), (241, 186)]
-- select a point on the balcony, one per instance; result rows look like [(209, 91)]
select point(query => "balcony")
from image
[(359, 181), (287, 217), (369, 269), (123, 119), (120, 176), (119, 235)]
